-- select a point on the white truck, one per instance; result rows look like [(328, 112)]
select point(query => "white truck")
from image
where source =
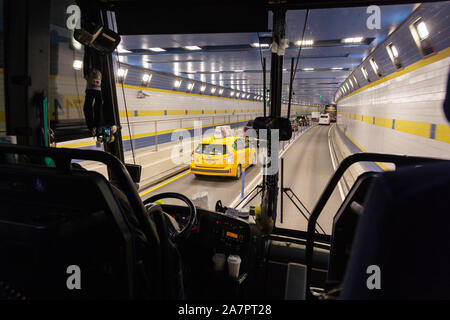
[(315, 115)]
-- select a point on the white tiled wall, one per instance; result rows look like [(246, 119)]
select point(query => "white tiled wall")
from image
[(415, 96)]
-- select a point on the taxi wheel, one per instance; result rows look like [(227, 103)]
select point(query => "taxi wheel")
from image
[(238, 172)]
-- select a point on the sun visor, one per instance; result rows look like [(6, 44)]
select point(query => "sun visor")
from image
[(189, 18)]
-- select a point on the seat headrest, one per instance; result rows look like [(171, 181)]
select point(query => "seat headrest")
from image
[(403, 231), (447, 99)]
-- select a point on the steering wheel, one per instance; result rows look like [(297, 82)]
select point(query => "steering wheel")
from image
[(175, 235)]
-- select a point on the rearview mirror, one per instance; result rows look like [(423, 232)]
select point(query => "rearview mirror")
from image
[(283, 125)]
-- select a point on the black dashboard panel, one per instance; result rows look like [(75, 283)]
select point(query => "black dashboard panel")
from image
[(217, 232)]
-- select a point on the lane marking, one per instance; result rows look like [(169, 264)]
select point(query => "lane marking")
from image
[(334, 164), (258, 178), (143, 193)]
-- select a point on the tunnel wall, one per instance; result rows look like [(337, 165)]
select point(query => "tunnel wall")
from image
[(401, 112)]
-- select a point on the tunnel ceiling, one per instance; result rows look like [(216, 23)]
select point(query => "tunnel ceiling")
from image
[(230, 60)]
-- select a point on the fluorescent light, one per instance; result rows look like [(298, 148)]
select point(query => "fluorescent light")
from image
[(202, 88), (304, 43), (76, 44), (120, 49), (365, 73), (259, 45), (337, 68), (308, 69), (177, 84), (156, 49), (192, 48), (191, 86), (394, 51), (352, 40), (146, 77), (122, 73), (239, 70), (374, 65), (77, 64), (422, 30), (213, 90)]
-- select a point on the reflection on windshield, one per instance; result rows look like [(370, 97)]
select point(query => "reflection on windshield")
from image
[(212, 149)]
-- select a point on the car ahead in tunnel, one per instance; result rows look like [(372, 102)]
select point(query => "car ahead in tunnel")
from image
[(302, 120), (294, 125), (227, 156), (324, 119)]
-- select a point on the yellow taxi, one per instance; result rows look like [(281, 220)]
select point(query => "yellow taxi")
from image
[(227, 156)]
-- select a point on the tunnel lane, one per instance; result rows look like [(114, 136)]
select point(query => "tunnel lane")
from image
[(307, 169)]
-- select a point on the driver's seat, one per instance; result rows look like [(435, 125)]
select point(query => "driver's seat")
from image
[(68, 233)]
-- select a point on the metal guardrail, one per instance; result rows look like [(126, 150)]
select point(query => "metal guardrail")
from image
[(181, 123)]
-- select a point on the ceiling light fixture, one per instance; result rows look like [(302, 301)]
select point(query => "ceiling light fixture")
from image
[(77, 64), (146, 79), (120, 49), (304, 43), (353, 40), (259, 45), (192, 48), (122, 74), (156, 49), (177, 84)]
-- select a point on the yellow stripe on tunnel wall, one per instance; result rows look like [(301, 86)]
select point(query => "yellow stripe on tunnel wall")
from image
[(150, 113), (175, 112), (383, 122), (382, 166), (123, 113), (417, 65), (422, 129), (443, 133), (368, 119), (194, 112), (417, 128)]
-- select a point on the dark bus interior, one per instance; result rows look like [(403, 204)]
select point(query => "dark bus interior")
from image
[(54, 213)]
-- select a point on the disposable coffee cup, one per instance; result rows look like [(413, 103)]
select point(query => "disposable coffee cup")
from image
[(219, 261), (234, 262)]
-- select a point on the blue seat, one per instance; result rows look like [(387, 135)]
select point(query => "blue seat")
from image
[(404, 230)]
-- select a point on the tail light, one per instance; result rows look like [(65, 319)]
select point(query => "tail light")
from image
[(192, 156)]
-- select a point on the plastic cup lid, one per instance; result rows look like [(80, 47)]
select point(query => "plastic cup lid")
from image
[(234, 259)]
